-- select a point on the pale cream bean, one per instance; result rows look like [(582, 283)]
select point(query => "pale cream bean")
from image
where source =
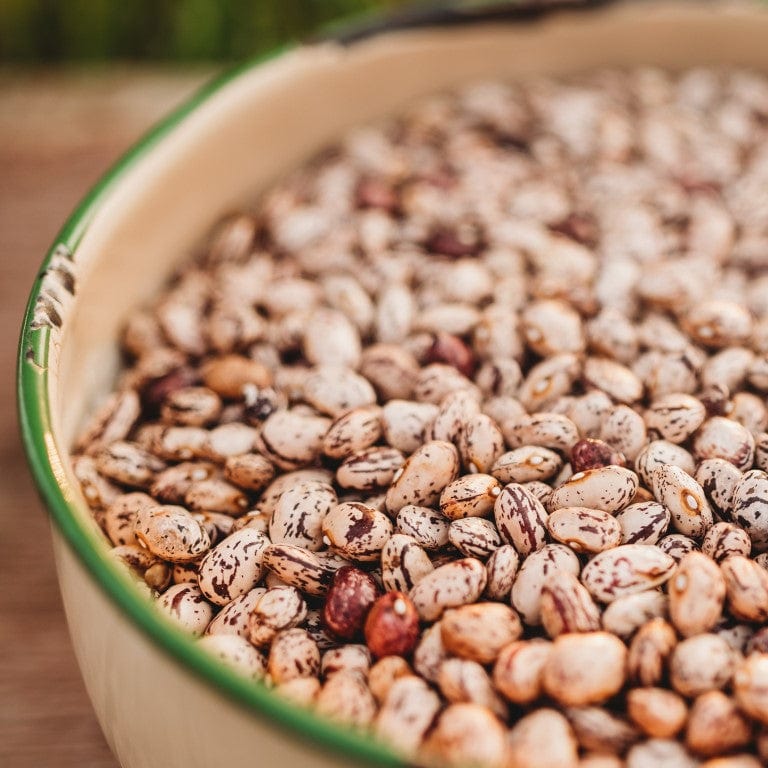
[(301, 691), (128, 464), (684, 498), (232, 439), (369, 469), (626, 569), (696, 595), (718, 478), (677, 545), (403, 563), (348, 657), (520, 519), (526, 463), (334, 390), (613, 378), (215, 495), (457, 318), (346, 697), (701, 663), (749, 507), (474, 537), (503, 409), (551, 327), (171, 533), (543, 738), (427, 527), (573, 679), (330, 338), (185, 605), (479, 632), (424, 475), (469, 496), (462, 680), (725, 539), (626, 614), (597, 728), (650, 650), (299, 567), (624, 429), (407, 710), (536, 569), (518, 671), (643, 523), (608, 488), (356, 531), (660, 453), (583, 529), (353, 431), (481, 442), (293, 653), (746, 587), (566, 606), (501, 567), (547, 430), (237, 653), (456, 583), (658, 712), (716, 726), (721, 438), (454, 740), (729, 367), (660, 753), (278, 609), (750, 686), (405, 422), (232, 619), (291, 440)]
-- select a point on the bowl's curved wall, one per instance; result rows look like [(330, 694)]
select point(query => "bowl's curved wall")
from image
[(147, 214)]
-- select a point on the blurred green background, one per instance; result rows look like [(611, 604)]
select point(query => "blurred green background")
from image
[(48, 31)]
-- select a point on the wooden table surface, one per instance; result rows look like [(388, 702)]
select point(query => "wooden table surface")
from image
[(58, 132)]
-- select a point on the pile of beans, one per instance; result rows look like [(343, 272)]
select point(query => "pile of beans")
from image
[(461, 435)]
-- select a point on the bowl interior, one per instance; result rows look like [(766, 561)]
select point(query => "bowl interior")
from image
[(237, 137)]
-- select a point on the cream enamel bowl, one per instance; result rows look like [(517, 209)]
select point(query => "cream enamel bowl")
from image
[(160, 699)]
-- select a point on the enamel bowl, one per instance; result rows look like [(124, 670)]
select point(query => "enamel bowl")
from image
[(161, 700)]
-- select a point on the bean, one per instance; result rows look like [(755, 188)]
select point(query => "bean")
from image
[(519, 669), (701, 663), (456, 583), (660, 713), (171, 533), (572, 679), (479, 632), (233, 567), (356, 531), (520, 519), (469, 496), (299, 514), (474, 537), (423, 476), (525, 464), (293, 653), (696, 595), (236, 652), (185, 605), (608, 488), (583, 529), (625, 570), (566, 606), (643, 523), (428, 528), (278, 609), (684, 498)]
